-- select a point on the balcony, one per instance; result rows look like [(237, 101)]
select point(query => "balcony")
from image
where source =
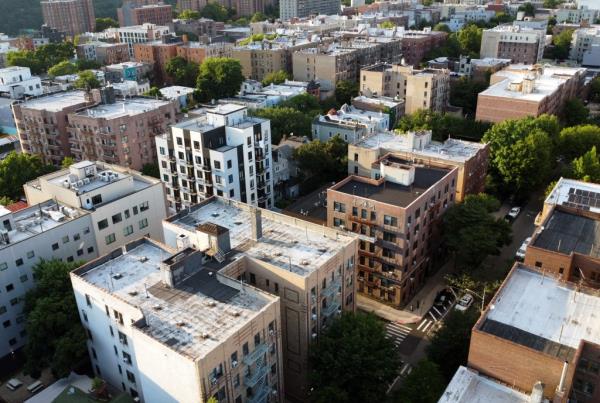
[(331, 288), (330, 309), (261, 395), (258, 352), (258, 374)]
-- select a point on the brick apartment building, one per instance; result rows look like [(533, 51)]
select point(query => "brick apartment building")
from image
[(103, 52), (396, 214), (416, 44), (157, 53), (93, 127), (196, 52), (470, 158), (519, 44), (70, 16), (523, 90), (204, 28), (138, 12)]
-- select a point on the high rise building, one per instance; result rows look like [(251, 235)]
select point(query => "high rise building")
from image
[(70, 16), (289, 9)]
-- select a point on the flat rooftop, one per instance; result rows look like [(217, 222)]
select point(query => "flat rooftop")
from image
[(451, 149), (542, 313), (56, 102), (127, 107), (35, 220), (394, 193), (576, 194), (288, 243), (568, 233), (193, 317), (467, 386)]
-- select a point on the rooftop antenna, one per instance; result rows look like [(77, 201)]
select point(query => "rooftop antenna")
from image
[(290, 259), (146, 290)]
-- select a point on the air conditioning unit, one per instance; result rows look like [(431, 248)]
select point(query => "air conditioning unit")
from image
[(271, 332), (234, 364)]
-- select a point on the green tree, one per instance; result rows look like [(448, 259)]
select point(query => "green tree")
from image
[(53, 53), (67, 162), (464, 93), (552, 3), (595, 90), (522, 152), (587, 167), (16, 170), (258, 17), (153, 92), (219, 77), (62, 69), (25, 58), (449, 347), (471, 233), (87, 80), (285, 121), (575, 112), (326, 161), (501, 18), (56, 338), (189, 15), (575, 141), (182, 72), (84, 64), (275, 77), (443, 126), (345, 91), (425, 384), (215, 11), (105, 23), (440, 26), (562, 44), (528, 8), (305, 102), (6, 201), (241, 22), (469, 38), (387, 25), (353, 361), (151, 170)]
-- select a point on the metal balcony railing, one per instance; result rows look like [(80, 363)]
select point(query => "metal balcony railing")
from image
[(258, 374), (256, 354)]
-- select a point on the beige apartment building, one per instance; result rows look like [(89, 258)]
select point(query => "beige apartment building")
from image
[(165, 326), (517, 43), (310, 267), (525, 90), (421, 89), (470, 158), (396, 214), (93, 126)]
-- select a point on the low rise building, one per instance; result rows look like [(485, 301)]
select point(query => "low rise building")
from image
[(197, 52), (183, 95), (349, 123), (310, 266), (464, 66), (524, 90), (396, 214), (122, 203), (470, 158), (203, 28), (139, 34), (286, 173), (519, 44), (128, 71), (146, 307), (394, 107), (223, 152), (576, 15), (583, 42), (103, 52), (17, 82)]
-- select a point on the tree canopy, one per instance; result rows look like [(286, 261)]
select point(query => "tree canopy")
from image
[(353, 361), (285, 121), (41, 59), (258, 17), (345, 91), (219, 77), (17, 169), (153, 92), (151, 170), (87, 80), (443, 126), (469, 38), (275, 77), (595, 90), (189, 15), (562, 44), (182, 72), (105, 23), (586, 167), (464, 93), (577, 140), (441, 27), (326, 161), (425, 384), (55, 336), (574, 112), (216, 12), (387, 25), (63, 68), (528, 8)]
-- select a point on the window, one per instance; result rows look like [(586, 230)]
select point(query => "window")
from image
[(128, 230), (127, 214), (135, 210), (389, 237), (245, 349), (143, 223), (30, 254), (90, 249), (19, 262), (252, 278), (3, 266), (144, 206), (55, 246), (10, 287), (338, 222), (234, 360), (65, 239), (130, 376), (110, 238), (6, 323), (340, 207), (2, 309), (117, 218), (23, 278), (86, 230), (76, 237), (389, 220), (102, 224)]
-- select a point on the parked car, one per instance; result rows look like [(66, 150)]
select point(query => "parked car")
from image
[(522, 249), (464, 303), (513, 214), (14, 384), (442, 297)]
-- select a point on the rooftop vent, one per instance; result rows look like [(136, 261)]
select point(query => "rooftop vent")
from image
[(133, 293), (117, 276), (211, 304), (143, 259), (180, 324), (157, 308), (304, 262)]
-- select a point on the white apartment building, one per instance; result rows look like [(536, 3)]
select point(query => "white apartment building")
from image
[(350, 123), (583, 41), (123, 204), (310, 266), (18, 82), (48, 230), (166, 327), (576, 15), (460, 18), (224, 152), (139, 34)]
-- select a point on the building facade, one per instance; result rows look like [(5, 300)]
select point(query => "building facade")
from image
[(70, 16), (138, 12), (225, 153), (140, 34), (18, 82), (521, 45), (289, 9)]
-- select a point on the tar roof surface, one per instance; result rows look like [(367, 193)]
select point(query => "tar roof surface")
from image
[(565, 233), (393, 193)]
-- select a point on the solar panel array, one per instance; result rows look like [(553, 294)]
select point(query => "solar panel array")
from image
[(583, 199)]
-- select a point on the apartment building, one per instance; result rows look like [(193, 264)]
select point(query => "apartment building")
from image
[(122, 203), (524, 90), (397, 215), (470, 158), (93, 126), (289, 9), (197, 52), (194, 5), (392, 106), (103, 52), (147, 307), (204, 28), (519, 44), (583, 42), (157, 53), (416, 44), (141, 12), (70, 16), (140, 34), (349, 123), (224, 152), (539, 330), (309, 266), (48, 230), (421, 89), (576, 15), (17, 82), (128, 71), (268, 56)]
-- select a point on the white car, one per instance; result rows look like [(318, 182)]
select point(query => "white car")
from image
[(514, 213), (464, 303), (521, 252)]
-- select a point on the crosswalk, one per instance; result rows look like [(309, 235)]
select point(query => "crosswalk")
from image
[(426, 324), (397, 332)]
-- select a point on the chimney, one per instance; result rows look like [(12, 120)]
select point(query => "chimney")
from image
[(255, 216)]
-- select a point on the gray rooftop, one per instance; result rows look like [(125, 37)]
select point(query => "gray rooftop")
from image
[(568, 233)]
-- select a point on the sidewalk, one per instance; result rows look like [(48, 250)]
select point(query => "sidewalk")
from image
[(424, 300)]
